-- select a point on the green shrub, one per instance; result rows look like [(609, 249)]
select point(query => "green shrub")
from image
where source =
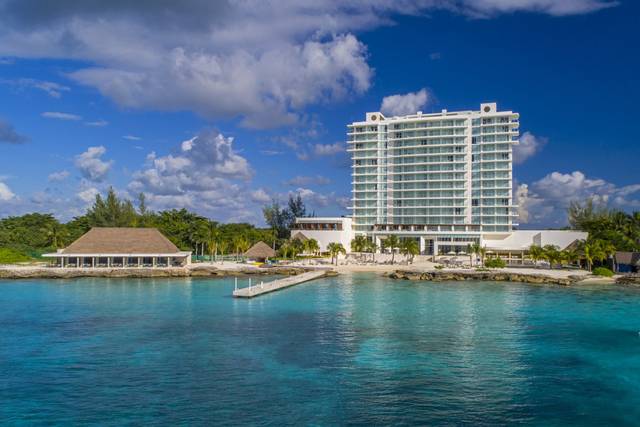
[(439, 266), (602, 271), (11, 256), (495, 263)]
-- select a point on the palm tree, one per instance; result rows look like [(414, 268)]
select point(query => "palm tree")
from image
[(392, 242), (594, 250), (483, 253), (372, 248), (222, 246), (570, 256), (57, 234), (410, 248), (336, 249), (240, 244), (212, 238), (552, 253), (297, 247), (474, 249), (359, 244), (311, 245), (536, 253)]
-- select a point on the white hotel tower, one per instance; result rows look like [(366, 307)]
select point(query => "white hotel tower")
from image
[(443, 179), (444, 176)]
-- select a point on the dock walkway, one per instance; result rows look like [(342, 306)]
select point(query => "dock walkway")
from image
[(276, 285)]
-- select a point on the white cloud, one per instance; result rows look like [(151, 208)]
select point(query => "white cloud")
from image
[(544, 202), (260, 196), (328, 149), (58, 176), (52, 89), (262, 62), (316, 200), (206, 174), (529, 146), (400, 105), (91, 165), (97, 123), (132, 137), (5, 192), (60, 116), (88, 195)]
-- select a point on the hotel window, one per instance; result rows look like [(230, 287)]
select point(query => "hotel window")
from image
[(458, 211), (474, 140), (475, 202)]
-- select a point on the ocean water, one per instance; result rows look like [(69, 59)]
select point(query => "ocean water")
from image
[(356, 349)]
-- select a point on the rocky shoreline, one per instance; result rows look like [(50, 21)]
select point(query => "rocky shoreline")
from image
[(193, 271), (501, 276)]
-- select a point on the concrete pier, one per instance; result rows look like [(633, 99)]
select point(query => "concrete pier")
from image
[(261, 288)]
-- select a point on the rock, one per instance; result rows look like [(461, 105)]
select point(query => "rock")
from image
[(490, 276), (629, 279)]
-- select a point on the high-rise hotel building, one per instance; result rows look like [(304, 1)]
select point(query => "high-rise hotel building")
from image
[(445, 177)]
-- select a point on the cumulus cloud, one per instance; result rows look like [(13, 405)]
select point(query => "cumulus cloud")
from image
[(317, 200), (5, 192), (529, 146), (328, 149), (58, 176), (60, 116), (91, 165), (262, 62), (544, 202), (205, 174), (9, 135), (400, 105)]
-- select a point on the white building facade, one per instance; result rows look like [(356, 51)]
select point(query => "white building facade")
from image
[(443, 179)]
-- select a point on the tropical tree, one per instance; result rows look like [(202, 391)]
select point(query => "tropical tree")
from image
[(595, 250), (483, 253), (570, 256), (336, 249), (240, 244), (474, 249), (311, 246), (392, 243), (552, 254), (536, 253), (372, 248), (410, 248), (359, 243), (57, 234), (212, 239)]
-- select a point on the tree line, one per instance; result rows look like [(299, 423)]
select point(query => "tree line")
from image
[(30, 235)]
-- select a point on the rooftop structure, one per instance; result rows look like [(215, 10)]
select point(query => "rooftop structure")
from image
[(121, 247)]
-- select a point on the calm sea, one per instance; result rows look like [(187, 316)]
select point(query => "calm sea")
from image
[(356, 349)]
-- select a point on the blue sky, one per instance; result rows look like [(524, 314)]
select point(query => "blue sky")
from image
[(220, 107)]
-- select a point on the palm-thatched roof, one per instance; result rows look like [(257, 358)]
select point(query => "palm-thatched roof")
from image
[(118, 240), (299, 236), (260, 251)]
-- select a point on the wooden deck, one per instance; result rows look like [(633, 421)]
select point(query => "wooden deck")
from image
[(262, 288)]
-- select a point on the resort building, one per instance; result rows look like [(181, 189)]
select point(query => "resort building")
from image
[(121, 248), (444, 179), (325, 230)]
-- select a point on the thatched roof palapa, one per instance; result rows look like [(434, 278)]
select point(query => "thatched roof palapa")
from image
[(260, 251), (122, 240), (299, 236)]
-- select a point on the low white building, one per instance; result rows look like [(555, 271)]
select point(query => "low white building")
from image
[(325, 230), (439, 240)]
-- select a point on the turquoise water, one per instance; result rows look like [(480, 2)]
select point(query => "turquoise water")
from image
[(348, 350)]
